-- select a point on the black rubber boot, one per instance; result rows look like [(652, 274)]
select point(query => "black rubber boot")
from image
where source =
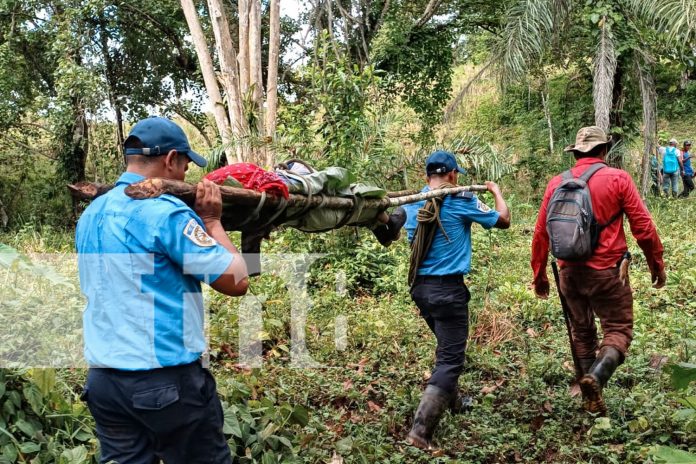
[(390, 231), (585, 365), (596, 379), (433, 404)]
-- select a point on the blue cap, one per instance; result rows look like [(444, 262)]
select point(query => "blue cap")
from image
[(442, 162), (159, 136)]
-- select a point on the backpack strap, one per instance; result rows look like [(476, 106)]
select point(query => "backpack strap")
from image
[(601, 227), (565, 175), (589, 172)]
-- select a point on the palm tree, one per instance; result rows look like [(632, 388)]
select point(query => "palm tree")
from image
[(533, 32)]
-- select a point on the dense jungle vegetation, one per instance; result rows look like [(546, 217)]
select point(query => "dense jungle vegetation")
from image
[(373, 86)]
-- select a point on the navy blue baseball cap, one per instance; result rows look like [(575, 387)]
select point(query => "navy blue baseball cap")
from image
[(159, 136), (442, 162)]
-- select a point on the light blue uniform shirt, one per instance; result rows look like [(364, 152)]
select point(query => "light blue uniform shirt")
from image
[(456, 214), (141, 263)]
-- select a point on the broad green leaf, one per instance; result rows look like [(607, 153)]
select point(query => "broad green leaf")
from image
[(231, 424), (284, 441), (684, 414), (29, 447), (27, 428), (667, 455), (45, 379), (682, 374), (269, 457), (9, 452), (83, 435), (34, 398), (2, 389), (344, 446), (74, 456), (299, 415), (689, 401), (602, 423)]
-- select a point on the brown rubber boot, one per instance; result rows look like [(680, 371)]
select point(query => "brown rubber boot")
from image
[(433, 404), (594, 381)]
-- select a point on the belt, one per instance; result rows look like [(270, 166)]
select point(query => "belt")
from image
[(443, 279), (179, 367)]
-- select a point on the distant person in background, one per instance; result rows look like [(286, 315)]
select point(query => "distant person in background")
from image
[(687, 170), (671, 167), (655, 175)]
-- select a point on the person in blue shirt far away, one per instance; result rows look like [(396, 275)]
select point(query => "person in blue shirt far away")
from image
[(671, 167), (440, 234), (141, 263), (688, 170)]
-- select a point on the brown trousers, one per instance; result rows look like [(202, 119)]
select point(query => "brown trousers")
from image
[(591, 292)]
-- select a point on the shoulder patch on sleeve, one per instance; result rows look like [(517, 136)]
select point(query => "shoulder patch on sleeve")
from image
[(481, 206), (465, 195), (194, 232)]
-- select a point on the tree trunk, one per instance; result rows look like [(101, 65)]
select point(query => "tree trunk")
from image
[(243, 57), (255, 62), (649, 99), (104, 38), (228, 69), (547, 113), (211, 85), (272, 85)]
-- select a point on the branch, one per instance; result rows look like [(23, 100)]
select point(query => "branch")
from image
[(429, 12), (452, 107)]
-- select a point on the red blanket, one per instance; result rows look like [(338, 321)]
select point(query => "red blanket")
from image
[(252, 177)]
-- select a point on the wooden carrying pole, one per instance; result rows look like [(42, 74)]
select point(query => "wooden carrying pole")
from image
[(239, 202)]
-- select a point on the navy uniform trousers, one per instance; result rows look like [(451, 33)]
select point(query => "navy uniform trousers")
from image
[(172, 414), (444, 304)]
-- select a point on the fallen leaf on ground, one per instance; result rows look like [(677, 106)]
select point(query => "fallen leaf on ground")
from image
[(374, 407), (487, 390), (532, 333), (657, 361)]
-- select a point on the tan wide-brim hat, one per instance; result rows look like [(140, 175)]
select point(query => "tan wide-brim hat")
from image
[(588, 138)]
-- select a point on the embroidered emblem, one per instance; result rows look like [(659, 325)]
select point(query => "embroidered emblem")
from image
[(481, 206), (194, 232)]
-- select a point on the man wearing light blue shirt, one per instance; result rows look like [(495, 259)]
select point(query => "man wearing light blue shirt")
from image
[(141, 263), (440, 234)]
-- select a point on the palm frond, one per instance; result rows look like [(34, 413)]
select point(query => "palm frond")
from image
[(603, 80), (676, 18), (483, 160), (526, 36)]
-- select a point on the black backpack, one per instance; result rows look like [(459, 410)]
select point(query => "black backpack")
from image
[(570, 222)]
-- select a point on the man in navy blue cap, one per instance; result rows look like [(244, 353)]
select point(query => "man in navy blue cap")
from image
[(440, 234), (141, 263)]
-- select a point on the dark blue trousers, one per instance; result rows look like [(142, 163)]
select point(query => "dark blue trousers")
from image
[(172, 414), (444, 304)]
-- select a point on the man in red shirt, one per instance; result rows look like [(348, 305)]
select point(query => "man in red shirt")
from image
[(594, 287)]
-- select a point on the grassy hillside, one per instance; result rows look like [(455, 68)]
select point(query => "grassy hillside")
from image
[(359, 404)]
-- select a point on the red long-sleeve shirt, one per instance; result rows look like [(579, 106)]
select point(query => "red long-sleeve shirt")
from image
[(612, 190)]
